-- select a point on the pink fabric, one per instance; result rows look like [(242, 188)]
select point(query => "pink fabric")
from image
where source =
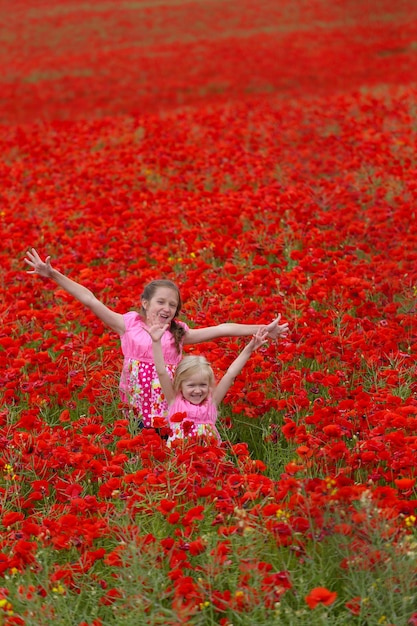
[(139, 383), (201, 419)]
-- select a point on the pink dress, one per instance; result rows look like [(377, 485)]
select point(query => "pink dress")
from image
[(139, 383), (200, 419)]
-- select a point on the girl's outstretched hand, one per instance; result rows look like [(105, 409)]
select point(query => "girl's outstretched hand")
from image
[(277, 330), (259, 338), (156, 331), (43, 268)]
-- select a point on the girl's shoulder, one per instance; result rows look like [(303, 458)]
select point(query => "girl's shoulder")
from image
[(183, 325), (132, 319)]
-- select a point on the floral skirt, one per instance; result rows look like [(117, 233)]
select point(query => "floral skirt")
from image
[(142, 392)]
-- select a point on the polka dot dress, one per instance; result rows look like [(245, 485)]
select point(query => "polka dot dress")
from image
[(139, 383)]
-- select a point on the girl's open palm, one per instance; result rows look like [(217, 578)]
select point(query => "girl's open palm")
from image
[(43, 268), (277, 330), (260, 338), (156, 331)]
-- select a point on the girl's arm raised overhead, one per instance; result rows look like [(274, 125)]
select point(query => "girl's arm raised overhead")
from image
[(156, 332), (236, 367), (199, 335), (44, 268)]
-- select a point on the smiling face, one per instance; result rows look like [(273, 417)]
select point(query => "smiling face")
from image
[(194, 378), (162, 307), (196, 387)]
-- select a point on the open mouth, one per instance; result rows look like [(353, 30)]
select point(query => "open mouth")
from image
[(196, 399)]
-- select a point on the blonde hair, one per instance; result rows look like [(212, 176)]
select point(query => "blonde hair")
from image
[(190, 365)]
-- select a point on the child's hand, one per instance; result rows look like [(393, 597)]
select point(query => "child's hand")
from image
[(277, 330), (155, 330), (43, 268), (259, 339)]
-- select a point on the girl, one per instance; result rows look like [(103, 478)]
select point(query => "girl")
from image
[(161, 302), (192, 396)]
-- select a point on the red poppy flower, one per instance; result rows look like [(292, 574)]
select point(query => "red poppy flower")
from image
[(320, 595), (405, 483), (354, 605), (178, 417), (160, 422), (332, 430), (166, 506), (193, 514), (289, 430), (197, 546), (186, 427), (11, 518), (304, 451), (110, 597)]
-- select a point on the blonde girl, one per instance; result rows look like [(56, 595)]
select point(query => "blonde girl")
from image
[(192, 396)]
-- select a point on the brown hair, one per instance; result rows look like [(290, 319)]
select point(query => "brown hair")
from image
[(149, 291)]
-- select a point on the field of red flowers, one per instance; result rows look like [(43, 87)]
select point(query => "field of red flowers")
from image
[(263, 156)]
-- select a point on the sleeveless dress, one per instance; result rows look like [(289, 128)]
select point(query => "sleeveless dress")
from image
[(139, 383), (200, 419)]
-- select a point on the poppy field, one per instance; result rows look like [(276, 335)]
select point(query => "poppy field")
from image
[(262, 155)]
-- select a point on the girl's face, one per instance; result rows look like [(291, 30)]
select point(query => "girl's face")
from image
[(196, 388), (161, 308)]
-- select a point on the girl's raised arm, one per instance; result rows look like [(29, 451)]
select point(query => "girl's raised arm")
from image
[(156, 332), (236, 367), (44, 268), (274, 330)]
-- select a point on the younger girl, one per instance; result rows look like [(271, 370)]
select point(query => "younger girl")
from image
[(193, 397), (161, 301)]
